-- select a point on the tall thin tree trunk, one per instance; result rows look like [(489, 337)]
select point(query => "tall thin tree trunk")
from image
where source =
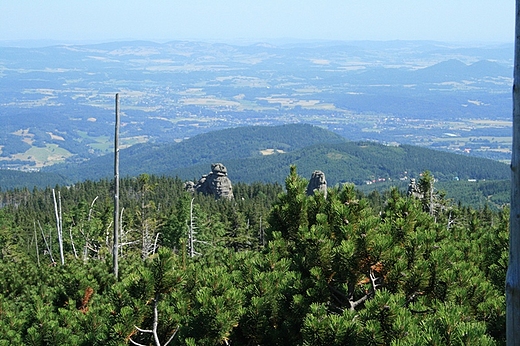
[(115, 250), (57, 210), (191, 235), (72, 243), (36, 244), (49, 248), (122, 237), (261, 233), (61, 229), (513, 272)]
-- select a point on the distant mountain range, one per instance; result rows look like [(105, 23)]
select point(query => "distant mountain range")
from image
[(444, 71), (57, 102)]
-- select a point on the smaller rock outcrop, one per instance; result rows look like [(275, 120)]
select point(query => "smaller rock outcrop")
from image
[(414, 190), (215, 183), (317, 182)]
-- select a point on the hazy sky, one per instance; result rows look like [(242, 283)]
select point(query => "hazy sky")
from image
[(258, 20)]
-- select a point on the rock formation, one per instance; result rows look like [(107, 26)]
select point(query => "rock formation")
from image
[(414, 189), (215, 183), (317, 182)]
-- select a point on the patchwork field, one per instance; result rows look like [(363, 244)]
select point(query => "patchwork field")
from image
[(448, 97)]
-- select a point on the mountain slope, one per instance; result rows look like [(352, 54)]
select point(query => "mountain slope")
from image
[(11, 179), (222, 145), (309, 148), (357, 162)]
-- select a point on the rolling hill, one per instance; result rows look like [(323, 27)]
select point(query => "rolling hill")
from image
[(264, 154), (357, 162), (217, 146)]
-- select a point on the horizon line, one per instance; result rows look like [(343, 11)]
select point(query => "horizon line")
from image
[(42, 42)]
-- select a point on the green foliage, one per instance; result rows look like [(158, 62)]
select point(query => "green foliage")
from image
[(12, 179), (275, 267)]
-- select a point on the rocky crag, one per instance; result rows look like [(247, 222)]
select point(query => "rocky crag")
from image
[(317, 182), (215, 183)]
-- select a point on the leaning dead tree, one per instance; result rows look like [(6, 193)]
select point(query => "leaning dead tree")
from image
[(513, 271)]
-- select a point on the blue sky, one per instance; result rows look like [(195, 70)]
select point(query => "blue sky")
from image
[(258, 20)]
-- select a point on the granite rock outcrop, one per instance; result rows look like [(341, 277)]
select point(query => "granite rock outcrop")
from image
[(215, 183), (317, 182)]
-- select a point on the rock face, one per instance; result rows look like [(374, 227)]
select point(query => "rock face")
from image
[(215, 183), (317, 182), (414, 190)]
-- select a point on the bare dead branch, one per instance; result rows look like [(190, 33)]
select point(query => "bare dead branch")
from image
[(135, 343), (143, 330), (374, 280), (355, 303), (91, 207), (46, 244), (155, 325), (156, 320), (172, 336), (155, 243), (72, 242)]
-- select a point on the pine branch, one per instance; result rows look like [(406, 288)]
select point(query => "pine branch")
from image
[(335, 293)]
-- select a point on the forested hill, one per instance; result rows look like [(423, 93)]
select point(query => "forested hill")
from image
[(264, 154), (358, 163), (11, 179), (207, 148)]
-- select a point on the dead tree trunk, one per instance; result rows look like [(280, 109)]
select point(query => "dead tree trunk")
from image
[(513, 272), (59, 225), (191, 232), (36, 244), (115, 250), (49, 248), (153, 331)]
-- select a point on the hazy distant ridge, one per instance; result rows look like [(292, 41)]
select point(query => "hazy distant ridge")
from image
[(57, 102)]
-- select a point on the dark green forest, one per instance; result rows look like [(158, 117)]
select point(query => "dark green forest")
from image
[(216, 146), (13, 179), (274, 266), (359, 162), (308, 147)]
